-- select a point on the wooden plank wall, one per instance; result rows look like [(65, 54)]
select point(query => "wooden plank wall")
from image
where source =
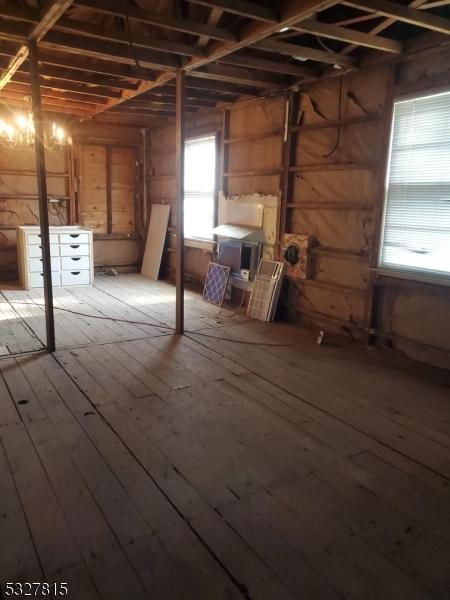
[(337, 195), (72, 174)]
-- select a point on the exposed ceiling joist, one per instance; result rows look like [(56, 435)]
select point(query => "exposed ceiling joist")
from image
[(135, 38), (291, 12), (273, 66), (49, 14), (214, 17), (68, 86), (247, 77), (151, 42), (24, 87), (80, 69), (351, 36), (123, 9), (115, 52), (243, 8), (407, 14), (304, 52)]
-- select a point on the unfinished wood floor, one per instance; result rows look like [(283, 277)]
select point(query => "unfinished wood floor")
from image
[(139, 464)]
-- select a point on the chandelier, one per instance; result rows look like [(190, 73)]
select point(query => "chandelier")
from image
[(20, 132)]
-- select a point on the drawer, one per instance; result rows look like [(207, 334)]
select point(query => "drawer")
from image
[(35, 251), (75, 277), (35, 264), (74, 249), (74, 238), (36, 280), (35, 238), (75, 263)]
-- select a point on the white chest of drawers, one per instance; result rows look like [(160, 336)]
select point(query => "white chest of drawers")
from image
[(71, 251)]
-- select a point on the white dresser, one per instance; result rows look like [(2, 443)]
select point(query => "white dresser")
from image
[(72, 256)]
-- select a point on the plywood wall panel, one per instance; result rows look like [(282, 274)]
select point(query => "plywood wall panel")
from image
[(92, 187), (123, 189)]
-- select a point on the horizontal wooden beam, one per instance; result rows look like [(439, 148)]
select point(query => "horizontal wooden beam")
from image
[(304, 52), (243, 8), (54, 104), (124, 9), (135, 38), (85, 46), (48, 15), (291, 12), (237, 75), (406, 14), (68, 86), (112, 51), (46, 91), (352, 36), (273, 66), (220, 87)]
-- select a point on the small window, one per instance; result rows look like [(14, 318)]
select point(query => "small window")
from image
[(199, 187), (416, 234)]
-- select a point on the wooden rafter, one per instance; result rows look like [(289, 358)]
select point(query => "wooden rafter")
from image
[(291, 12), (273, 66), (304, 52), (344, 34), (122, 9), (385, 23), (407, 14), (243, 8), (49, 14)]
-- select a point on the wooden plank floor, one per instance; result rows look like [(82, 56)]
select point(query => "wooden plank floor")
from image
[(238, 461)]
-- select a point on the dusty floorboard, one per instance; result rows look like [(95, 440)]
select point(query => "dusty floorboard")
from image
[(139, 464)]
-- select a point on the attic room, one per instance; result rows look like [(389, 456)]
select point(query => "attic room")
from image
[(225, 299)]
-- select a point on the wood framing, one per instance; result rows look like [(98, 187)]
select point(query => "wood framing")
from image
[(52, 11), (42, 192), (179, 224)]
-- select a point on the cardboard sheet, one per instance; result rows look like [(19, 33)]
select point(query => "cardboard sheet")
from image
[(157, 229)]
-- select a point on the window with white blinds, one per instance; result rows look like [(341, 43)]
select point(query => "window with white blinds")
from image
[(199, 187), (416, 234)]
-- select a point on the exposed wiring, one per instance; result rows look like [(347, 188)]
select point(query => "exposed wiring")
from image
[(338, 139), (172, 329)]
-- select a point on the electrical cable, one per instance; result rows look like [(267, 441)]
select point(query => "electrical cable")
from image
[(172, 329)]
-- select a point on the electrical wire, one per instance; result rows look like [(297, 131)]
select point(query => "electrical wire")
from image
[(172, 329)]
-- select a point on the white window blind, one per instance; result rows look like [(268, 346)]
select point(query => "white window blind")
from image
[(416, 235), (199, 187)]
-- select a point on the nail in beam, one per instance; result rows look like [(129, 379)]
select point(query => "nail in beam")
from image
[(42, 192), (179, 256)]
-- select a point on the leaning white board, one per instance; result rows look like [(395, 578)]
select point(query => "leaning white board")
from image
[(156, 236)]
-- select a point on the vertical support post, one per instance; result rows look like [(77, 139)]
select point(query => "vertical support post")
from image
[(42, 192), (373, 290), (289, 141), (109, 224), (179, 256)]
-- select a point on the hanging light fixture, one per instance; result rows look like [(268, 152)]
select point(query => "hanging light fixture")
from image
[(20, 132)]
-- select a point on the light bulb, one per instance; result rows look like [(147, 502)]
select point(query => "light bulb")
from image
[(21, 121), (60, 134)]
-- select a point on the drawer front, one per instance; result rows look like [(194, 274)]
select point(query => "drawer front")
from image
[(35, 264), (75, 277), (74, 238), (75, 263), (35, 251), (74, 249), (36, 280), (35, 238)]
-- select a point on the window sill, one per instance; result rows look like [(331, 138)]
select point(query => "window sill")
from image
[(207, 245), (441, 280)]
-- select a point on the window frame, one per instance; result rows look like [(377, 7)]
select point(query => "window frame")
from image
[(198, 134), (398, 272)]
